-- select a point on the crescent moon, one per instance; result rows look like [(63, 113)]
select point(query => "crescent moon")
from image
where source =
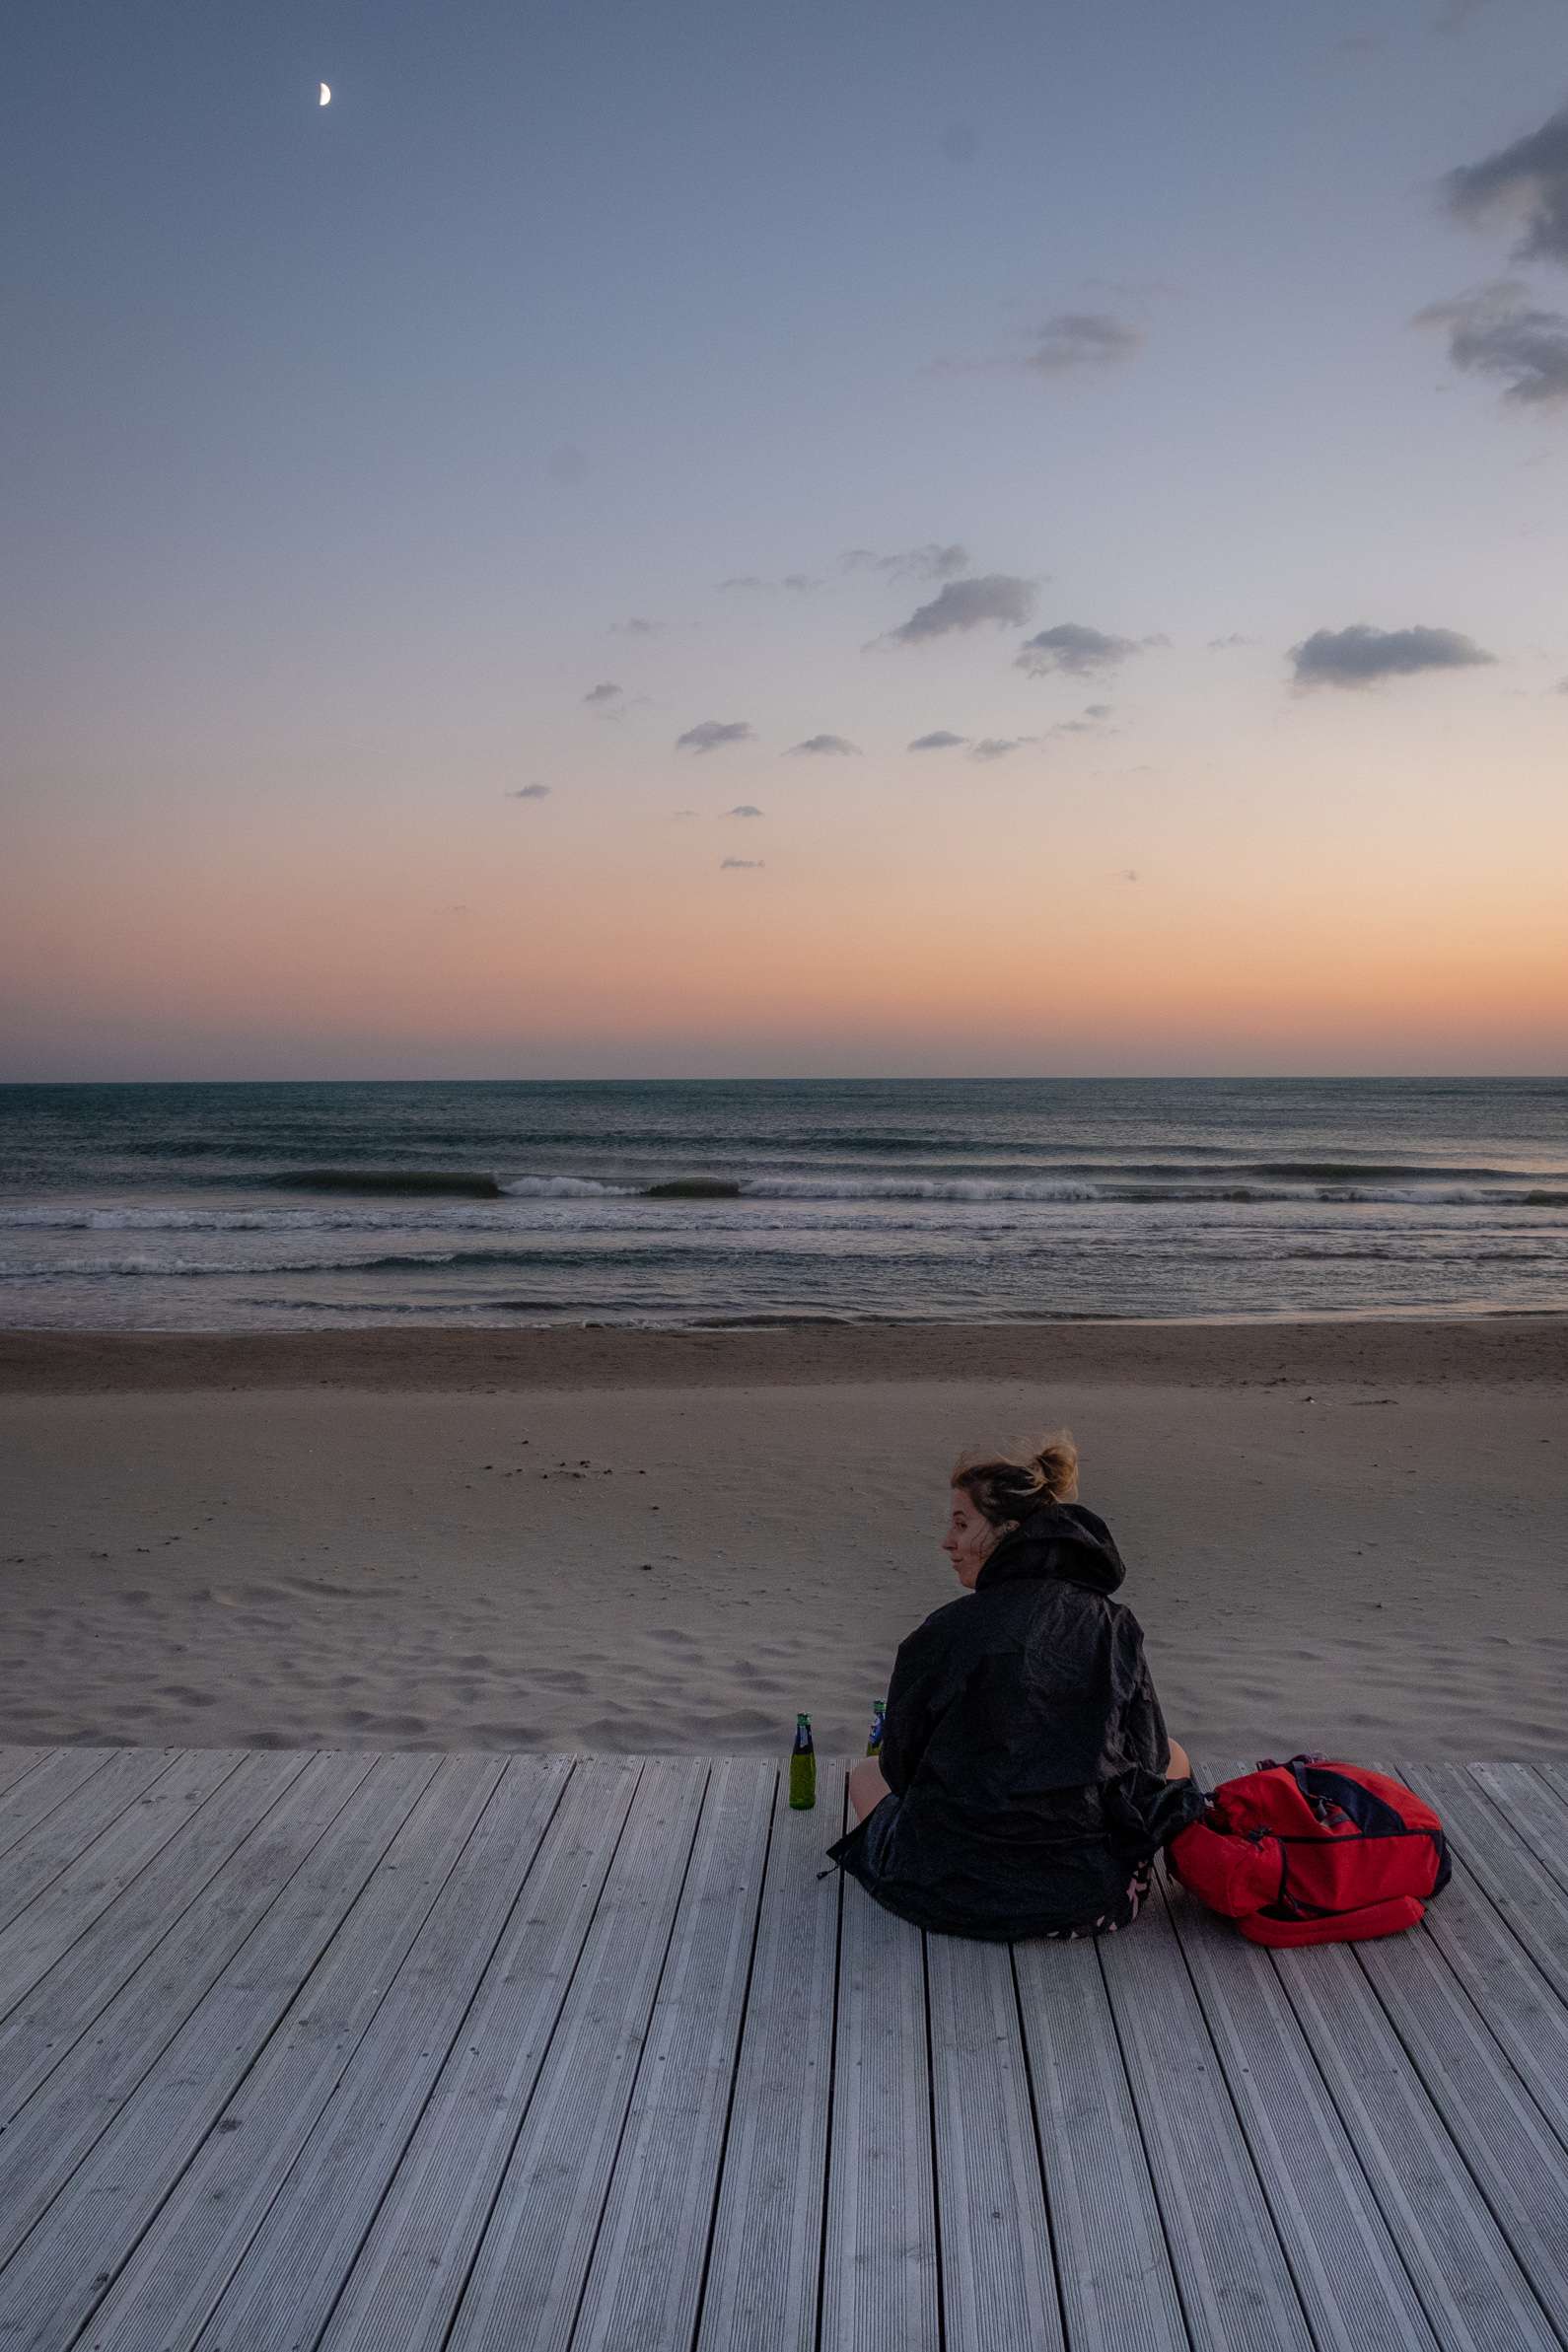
[(326, 95)]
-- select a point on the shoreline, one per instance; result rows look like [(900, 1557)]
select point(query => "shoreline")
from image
[(1408, 1351)]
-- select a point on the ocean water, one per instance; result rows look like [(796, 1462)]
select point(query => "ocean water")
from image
[(737, 1203)]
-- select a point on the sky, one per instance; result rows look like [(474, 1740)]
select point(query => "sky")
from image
[(487, 558)]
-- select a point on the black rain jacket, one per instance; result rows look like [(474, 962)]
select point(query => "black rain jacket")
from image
[(1024, 1747)]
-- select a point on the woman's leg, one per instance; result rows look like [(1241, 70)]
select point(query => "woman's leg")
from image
[(1180, 1767), (866, 1786)]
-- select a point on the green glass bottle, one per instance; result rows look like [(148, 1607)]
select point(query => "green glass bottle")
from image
[(879, 1714), (803, 1767)]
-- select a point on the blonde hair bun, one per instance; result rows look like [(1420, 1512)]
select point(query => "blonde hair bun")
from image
[(1006, 1487)]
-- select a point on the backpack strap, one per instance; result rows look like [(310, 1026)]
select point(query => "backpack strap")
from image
[(1388, 1918)]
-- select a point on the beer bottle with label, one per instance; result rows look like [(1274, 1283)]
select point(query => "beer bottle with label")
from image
[(803, 1767), (878, 1712)]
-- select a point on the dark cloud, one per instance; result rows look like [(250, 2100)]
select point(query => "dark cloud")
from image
[(1129, 872), (709, 733), (744, 810), (1496, 330), (743, 579), (1527, 182), (1076, 649), (832, 747), (637, 627), (996, 598), (1561, 687), (567, 463), (742, 865), (997, 746), (1077, 340), (941, 741), (935, 559), (598, 695), (529, 791), (1361, 655), (1224, 644)]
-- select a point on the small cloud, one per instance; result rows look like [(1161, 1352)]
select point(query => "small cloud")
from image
[(1073, 648), (567, 463), (683, 813), (1130, 874), (1077, 340), (744, 809), (1224, 644), (935, 559), (1561, 687), (1070, 343), (960, 142), (638, 627), (999, 599), (742, 865), (1092, 721), (1528, 181), (939, 741), (799, 583), (529, 791), (829, 746), (598, 695), (997, 746), (711, 733), (1360, 654), (1496, 330)]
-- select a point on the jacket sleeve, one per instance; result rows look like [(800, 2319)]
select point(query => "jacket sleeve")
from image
[(1148, 1742), (917, 1696)]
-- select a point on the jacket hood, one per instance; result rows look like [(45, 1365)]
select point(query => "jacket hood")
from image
[(1061, 1540)]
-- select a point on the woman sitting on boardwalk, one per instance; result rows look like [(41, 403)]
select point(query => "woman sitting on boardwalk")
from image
[(1026, 1779)]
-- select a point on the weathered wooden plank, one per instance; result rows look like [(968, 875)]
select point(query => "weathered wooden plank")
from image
[(34, 1795), (1510, 2149), (765, 2260), (63, 1910), (1119, 2292), (67, 2152), (288, 2279), (998, 2275), (38, 1858), (1525, 1893), (880, 2276), (1534, 1809), (52, 2011), (17, 1763), (1526, 2017), (534, 2254), (410, 2271), (646, 2274), (400, 1969), (1234, 2278), (159, 1990), (1347, 2270), (1469, 2282)]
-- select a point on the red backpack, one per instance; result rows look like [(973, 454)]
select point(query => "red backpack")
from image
[(1313, 1852)]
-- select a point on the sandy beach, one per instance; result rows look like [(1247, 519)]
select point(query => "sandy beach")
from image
[(1340, 1536)]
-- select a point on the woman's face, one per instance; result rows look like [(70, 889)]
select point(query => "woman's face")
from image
[(970, 1540)]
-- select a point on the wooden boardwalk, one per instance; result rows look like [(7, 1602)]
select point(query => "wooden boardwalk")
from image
[(415, 2051)]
